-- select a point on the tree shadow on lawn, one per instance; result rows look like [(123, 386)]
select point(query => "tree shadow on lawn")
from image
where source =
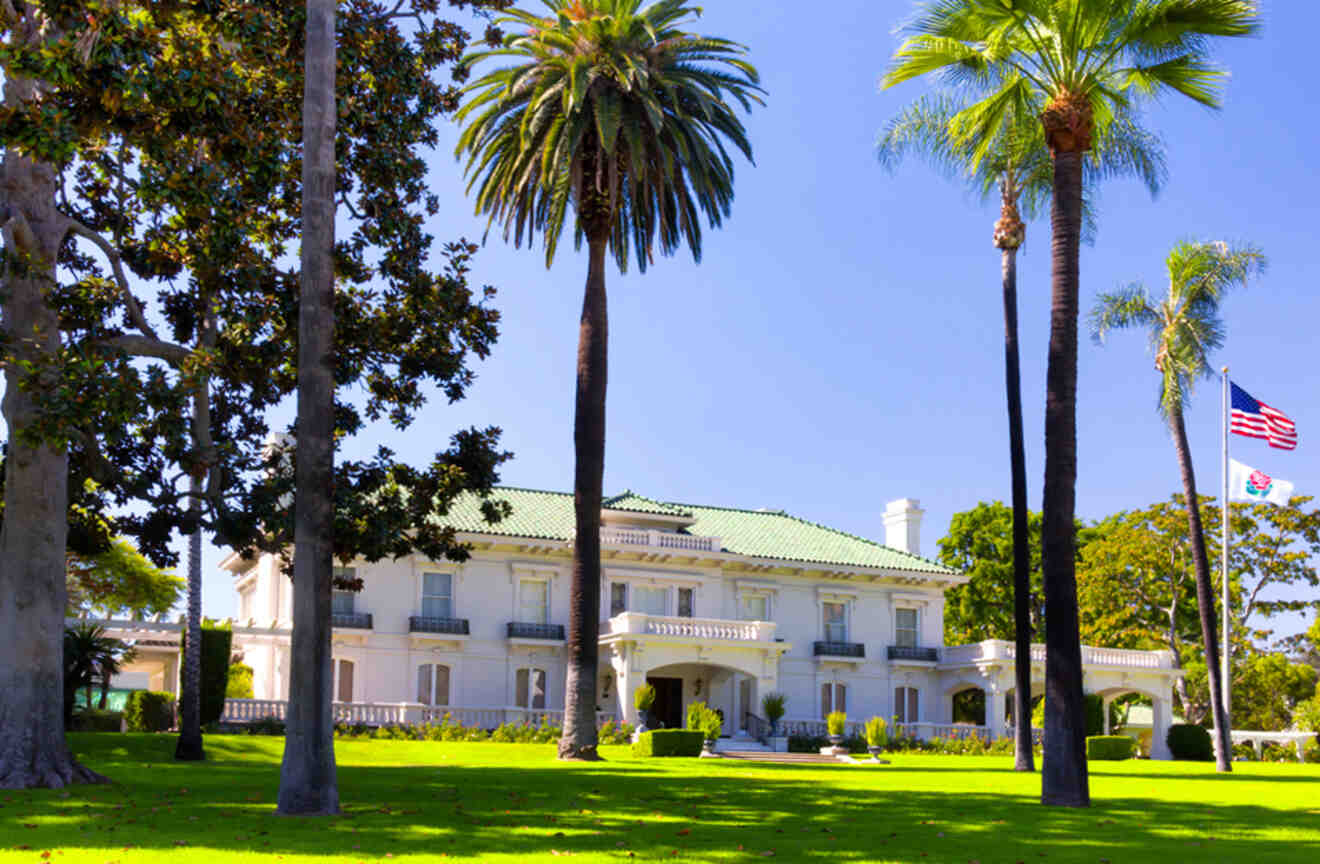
[(730, 811)]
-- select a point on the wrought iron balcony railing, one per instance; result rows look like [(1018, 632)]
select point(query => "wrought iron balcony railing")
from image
[(428, 624), (358, 620), (838, 649), (912, 652), (527, 630)]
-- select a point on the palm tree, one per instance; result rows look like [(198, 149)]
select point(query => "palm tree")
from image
[(1184, 327), (613, 109), (89, 655), (189, 746), (308, 779), (1017, 165), (1084, 61)]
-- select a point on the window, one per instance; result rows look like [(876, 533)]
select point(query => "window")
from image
[(343, 680), (684, 602), (836, 622), (618, 598), (531, 688), (906, 704), (433, 684), (341, 602), (649, 600), (755, 607), (532, 606), (437, 595), (905, 628), (245, 602), (833, 697)]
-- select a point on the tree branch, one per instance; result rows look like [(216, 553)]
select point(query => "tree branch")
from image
[(134, 310), (143, 346)]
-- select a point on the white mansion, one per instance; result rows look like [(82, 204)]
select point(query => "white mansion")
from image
[(705, 603)]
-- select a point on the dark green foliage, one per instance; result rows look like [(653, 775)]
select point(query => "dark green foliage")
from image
[(1190, 743), (669, 742), (1093, 711), (266, 726), (90, 657), (240, 681), (1109, 747), (97, 721), (216, 645), (149, 711)]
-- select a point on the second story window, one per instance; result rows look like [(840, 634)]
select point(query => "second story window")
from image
[(341, 602), (532, 601), (684, 602), (905, 628), (618, 598), (755, 607), (836, 622), (438, 595), (649, 600)]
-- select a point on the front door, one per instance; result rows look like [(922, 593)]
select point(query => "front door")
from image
[(667, 710)]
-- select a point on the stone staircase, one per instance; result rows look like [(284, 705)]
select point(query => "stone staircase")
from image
[(780, 758), (740, 744)]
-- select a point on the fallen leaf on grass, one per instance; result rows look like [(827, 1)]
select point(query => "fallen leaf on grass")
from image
[(685, 832)]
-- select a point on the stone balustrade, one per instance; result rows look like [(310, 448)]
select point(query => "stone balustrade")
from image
[(658, 540), (396, 713), (1001, 650), (692, 628)]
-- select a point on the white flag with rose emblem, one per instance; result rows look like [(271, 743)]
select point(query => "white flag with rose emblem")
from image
[(1247, 484)]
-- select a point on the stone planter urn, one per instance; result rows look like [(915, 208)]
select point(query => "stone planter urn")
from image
[(708, 749), (836, 740)]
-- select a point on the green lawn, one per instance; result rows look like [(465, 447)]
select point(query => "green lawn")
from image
[(515, 803)]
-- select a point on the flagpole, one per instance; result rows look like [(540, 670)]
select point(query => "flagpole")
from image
[(1225, 647)]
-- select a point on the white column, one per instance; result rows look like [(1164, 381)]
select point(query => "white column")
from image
[(994, 709), (1160, 713), (1108, 700)]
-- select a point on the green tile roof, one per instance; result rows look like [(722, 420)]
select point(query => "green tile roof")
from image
[(631, 501), (754, 533)]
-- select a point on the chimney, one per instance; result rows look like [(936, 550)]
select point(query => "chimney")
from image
[(903, 525)]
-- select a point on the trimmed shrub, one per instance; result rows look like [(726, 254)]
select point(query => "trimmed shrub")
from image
[(240, 682), (669, 742), (1093, 711), (1312, 751), (836, 722), (1190, 743), (1109, 747), (97, 721), (644, 698), (270, 725), (149, 711), (773, 706)]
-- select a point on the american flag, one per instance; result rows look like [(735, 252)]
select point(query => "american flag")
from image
[(1255, 419)]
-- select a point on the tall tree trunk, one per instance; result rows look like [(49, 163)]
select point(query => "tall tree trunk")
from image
[(1064, 779), (1023, 760), (33, 594), (1205, 603), (308, 780), (189, 747), (579, 737)]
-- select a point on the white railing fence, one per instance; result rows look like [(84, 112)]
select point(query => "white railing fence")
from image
[(692, 628), (658, 539), (923, 731), (999, 649), (241, 711)]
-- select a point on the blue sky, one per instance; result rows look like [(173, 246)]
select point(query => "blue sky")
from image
[(840, 344)]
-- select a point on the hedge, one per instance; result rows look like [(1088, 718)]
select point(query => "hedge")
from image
[(216, 644), (1109, 747), (94, 720), (669, 742), (149, 711), (1189, 742), (1093, 710)]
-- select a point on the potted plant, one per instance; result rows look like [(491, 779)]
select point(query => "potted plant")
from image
[(711, 725), (773, 706), (643, 699), (835, 723), (876, 737)]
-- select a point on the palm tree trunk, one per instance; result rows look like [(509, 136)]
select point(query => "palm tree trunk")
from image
[(33, 594), (308, 779), (579, 737), (1023, 760), (1205, 603), (1064, 779), (189, 747)]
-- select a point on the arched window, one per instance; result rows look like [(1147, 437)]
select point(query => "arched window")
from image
[(343, 680), (530, 688), (833, 697), (433, 684), (907, 704)]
